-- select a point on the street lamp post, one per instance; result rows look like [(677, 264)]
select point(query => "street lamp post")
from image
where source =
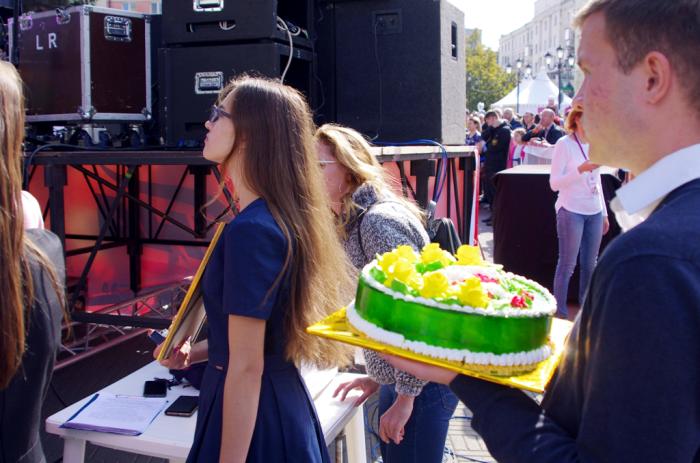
[(528, 71), (560, 63)]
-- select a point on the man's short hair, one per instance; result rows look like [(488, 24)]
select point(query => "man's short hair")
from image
[(491, 114), (637, 27)]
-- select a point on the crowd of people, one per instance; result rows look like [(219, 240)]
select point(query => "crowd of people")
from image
[(501, 138), (315, 206)]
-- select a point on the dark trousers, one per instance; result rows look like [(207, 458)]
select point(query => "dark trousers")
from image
[(426, 429), (495, 162)]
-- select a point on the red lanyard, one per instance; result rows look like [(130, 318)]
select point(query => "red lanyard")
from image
[(580, 147)]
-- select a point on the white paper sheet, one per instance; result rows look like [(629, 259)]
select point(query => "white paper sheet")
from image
[(118, 414)]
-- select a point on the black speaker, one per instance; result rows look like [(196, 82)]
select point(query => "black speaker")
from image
[(191, 78), (399, 70), (211, 21)]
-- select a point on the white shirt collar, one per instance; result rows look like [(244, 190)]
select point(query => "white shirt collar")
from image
[(636, 201)]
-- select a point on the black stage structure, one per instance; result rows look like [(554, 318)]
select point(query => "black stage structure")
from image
[(121, 220)]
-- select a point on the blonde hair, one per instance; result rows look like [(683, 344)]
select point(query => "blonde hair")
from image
[(274, 144), (16, 250), (352, 151)]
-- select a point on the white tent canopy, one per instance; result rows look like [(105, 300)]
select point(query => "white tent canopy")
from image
[(534, 94)]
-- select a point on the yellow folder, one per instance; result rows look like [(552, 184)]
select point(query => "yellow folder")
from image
[(191, 315)]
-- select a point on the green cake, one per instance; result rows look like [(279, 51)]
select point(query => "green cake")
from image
[(455, 308)]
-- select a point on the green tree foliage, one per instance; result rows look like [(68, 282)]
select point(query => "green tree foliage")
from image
[(486, 80)]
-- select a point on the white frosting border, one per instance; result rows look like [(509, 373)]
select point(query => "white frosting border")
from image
[(459, 355), (538, 309)]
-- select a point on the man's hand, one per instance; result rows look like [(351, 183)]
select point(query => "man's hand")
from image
[(540, 143), (393, 421), (421, 370), (365, 384), (606, 225)]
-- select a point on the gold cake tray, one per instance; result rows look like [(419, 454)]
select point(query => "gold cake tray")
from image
[(337, 327)]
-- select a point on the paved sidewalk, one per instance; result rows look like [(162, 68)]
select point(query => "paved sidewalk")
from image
[(464, 442)]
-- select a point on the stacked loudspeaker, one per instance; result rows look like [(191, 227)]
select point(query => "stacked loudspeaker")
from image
[(394, 69), (207, 42)]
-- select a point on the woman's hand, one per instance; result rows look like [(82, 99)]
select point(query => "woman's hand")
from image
[(179, 358), (365, 384), (606, 225), (393, 421), (421, 370), (587, 166)]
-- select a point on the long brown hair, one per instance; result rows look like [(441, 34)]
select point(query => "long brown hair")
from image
[(16, 249), (352, 151), (274, 144)]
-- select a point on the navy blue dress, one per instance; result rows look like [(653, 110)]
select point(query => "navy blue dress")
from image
[(242, 269)]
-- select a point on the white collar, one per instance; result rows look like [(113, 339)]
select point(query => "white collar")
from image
[(636, 201)]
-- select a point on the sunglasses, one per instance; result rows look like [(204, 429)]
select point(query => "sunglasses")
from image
[(216, 113)]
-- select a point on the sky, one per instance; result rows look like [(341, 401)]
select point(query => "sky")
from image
[(495, 17)]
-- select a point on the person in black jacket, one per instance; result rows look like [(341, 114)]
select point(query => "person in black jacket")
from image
[(546, 131), (31, 301), (496, 135), (628, 386)]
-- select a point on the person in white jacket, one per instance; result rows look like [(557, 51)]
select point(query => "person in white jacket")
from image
[(582, 217)]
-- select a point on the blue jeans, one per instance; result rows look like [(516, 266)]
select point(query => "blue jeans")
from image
[(576, 232), (426, 429)]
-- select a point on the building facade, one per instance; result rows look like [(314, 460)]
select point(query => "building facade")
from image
[(549, 29)]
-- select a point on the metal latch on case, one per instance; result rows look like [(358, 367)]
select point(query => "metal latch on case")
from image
[(117, 29), (207, 5), (208, 82)]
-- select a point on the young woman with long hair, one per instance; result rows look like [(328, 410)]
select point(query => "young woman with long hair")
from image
[(31, 293), (277, 268), (371, 219)]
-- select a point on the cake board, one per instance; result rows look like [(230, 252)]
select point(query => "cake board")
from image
[(337, 327)]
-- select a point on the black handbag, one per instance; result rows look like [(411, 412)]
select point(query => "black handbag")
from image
[(442, 231)]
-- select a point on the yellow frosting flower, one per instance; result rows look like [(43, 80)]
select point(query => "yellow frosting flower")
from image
[(386, 260), (407, 252), (433, 253), (399, 265), (471, 293), (435, 284), (403, 270), (469, 255)]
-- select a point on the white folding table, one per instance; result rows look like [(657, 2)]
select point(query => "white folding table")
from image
[(170, 437)]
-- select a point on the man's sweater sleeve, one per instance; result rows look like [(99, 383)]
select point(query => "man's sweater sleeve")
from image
[(635, 370)]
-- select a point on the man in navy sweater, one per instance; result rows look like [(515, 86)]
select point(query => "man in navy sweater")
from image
[(628, 388)]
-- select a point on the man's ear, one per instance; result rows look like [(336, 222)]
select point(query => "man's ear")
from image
[(657, 70)]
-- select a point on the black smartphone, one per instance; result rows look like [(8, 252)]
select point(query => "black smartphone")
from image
[(156, 388), (185, 405)]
